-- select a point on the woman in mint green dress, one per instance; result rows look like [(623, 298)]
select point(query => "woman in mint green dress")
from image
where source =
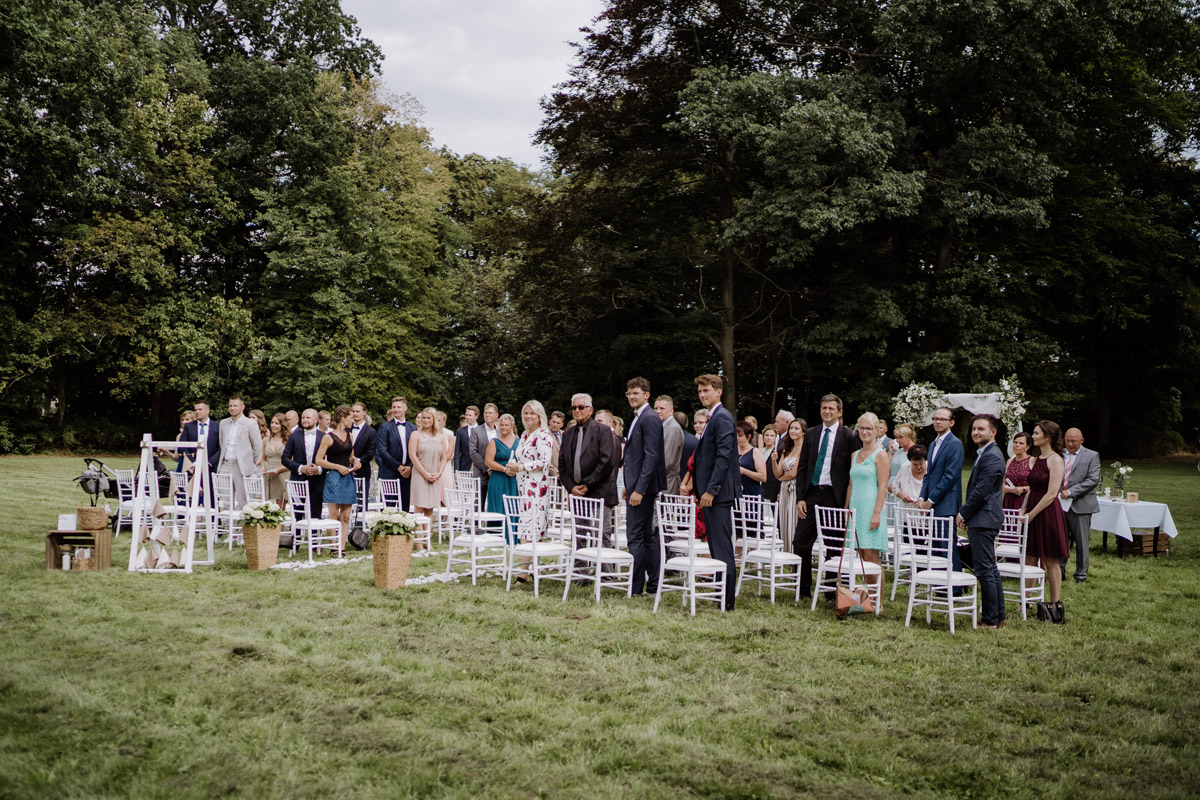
[(499, 452), (869, 472)]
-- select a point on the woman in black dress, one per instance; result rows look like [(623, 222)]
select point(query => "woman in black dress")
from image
[(336, 456), (1047, 524)]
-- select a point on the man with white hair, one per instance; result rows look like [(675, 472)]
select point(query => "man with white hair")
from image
[(586, 461)]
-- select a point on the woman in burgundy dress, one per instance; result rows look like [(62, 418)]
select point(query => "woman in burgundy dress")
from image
[(1047, 524), (1016, 475)]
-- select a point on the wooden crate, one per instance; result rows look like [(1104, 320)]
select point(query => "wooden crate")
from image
[(1143, 545), (99, 541)]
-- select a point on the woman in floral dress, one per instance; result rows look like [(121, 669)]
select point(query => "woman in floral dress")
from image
[(529, 464)]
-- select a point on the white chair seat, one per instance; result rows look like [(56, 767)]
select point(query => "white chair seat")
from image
[(541, 549), (487, 516), (766, 556), (479, 540), (678, 546), (604, 553), (937, 576), (1008, 551), (852, 567), (1012, 569), (936, 562), (700, 564)]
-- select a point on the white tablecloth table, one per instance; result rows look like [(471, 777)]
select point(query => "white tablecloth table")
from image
[(1121, 518)]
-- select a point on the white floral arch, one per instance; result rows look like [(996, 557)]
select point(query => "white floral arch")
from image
[(916, 403)]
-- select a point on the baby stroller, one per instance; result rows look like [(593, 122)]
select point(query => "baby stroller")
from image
[(98, 480)]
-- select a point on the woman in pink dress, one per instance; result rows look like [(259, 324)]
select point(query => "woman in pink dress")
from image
[(1047, 523), (1016, 474), (427, 447)]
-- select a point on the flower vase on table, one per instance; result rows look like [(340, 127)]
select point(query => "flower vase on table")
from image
[(1120, 473), (261, 524), (391, 546)]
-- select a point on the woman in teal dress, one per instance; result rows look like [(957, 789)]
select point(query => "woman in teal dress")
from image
[(869, 472), (497, 455)]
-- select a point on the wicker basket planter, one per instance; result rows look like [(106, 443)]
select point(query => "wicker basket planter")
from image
[(91, 518), (262, 545), (391, 555)]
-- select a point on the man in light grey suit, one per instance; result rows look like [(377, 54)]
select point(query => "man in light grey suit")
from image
[(241, 448), (664, 407), (479, 441), (1081, 476)]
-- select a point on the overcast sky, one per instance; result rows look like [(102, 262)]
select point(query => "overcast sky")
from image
[(479, 67)]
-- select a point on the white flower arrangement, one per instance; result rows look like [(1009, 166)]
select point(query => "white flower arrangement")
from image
[(264, 513), (1120, 472), (916, 403), (1010, 404), (392, 522)]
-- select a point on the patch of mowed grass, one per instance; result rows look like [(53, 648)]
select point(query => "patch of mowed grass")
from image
[(314, 683)]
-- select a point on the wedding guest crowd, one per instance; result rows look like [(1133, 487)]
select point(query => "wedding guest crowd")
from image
[(1051, 478)]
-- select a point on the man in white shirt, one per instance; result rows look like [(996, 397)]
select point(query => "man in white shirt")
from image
[(298, 456), (1081, 475)]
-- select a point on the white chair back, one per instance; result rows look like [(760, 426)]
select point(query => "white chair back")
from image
[(587, 522), (928, 539), (297, 493), (754, 523), (256, 489), (223, 482), (389, 492), (677, 523)]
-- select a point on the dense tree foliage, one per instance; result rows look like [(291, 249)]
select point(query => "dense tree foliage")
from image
[(207, 196)]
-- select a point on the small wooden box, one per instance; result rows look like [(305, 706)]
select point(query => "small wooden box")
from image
[(99, 541), (1143, 544)]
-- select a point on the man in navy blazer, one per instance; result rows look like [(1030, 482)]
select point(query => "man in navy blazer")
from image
[(391, 446), (942, 488), (645, 476), (203, 427), (982, 515), (462, 440), (824, 469), (298, 456), (718, 479)]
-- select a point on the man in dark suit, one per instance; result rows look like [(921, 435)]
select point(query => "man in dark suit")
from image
[(480, 438), (941, 489), (645, 476), (981, 516), (718, 479), (363, 436), (391, 446), (462, 440), (585, 460), (298, 456), (689, 443), (203, 427), (824, 469)]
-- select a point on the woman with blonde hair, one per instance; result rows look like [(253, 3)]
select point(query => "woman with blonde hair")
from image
[(906, 437), (529, 463), (274, 473), (869, 472), (427, 448)]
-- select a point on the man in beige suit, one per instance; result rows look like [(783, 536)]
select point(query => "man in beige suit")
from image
[(241, 448)]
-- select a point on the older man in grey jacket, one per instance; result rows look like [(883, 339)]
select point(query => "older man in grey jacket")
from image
[(664, 407), (1081, 476)]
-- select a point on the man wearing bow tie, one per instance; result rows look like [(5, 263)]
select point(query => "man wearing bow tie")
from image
[(363, 436), (298, 456), (392, 448)]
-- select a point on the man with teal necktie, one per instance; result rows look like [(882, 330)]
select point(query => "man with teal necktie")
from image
[(824, 468)]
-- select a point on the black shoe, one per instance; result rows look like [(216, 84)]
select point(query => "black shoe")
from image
[(1059, 617), (1080, 580)]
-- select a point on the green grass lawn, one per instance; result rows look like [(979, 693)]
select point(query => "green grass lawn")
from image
[(312, 683)]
